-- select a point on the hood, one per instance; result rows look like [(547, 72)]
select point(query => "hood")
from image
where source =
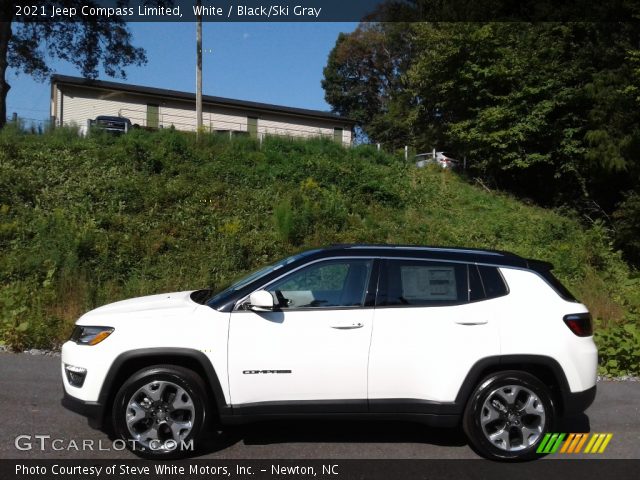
[(168, 303)]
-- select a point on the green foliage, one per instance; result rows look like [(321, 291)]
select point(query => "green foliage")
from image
[(547, 111), (627, 224), (619, 350), (540, 108), (27, 45), (363, 79), (87, 221)]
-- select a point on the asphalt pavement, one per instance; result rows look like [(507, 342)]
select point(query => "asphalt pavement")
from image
[(31, 388)]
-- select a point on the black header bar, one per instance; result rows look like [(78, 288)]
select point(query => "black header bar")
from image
[(322, 10), (550, 468)]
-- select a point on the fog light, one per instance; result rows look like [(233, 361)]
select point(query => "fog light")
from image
[(75, 375)]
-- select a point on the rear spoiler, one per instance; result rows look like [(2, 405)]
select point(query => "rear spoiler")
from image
[(539, 265)]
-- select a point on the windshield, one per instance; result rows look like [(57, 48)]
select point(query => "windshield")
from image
[(258, 274)]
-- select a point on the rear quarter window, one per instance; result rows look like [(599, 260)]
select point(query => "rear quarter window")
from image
[(493, 282)]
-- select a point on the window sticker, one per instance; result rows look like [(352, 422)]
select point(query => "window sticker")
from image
[(429, 283)]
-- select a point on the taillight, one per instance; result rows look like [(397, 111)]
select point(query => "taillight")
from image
[(579, 324)]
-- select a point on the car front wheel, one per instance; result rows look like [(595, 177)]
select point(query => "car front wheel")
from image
[(508, 415), (160, 411)]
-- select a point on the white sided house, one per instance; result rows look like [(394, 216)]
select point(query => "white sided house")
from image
[(75, 101)]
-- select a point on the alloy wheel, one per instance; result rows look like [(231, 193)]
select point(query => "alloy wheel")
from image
[(512, 418), (159, 415)]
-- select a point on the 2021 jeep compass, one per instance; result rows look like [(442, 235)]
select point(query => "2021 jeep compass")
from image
[(443, 336)]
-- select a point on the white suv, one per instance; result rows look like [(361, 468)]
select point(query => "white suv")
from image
[(443, 336)]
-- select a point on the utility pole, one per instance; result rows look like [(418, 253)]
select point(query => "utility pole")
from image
[(198, 73)]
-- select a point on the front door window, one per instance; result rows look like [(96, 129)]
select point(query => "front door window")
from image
[(330, 284)]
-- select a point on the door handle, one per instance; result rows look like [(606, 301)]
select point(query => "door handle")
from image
[(472, 322), (347, 326)]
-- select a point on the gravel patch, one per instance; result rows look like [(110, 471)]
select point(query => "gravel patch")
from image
[(623, 378), (48, 353), (32, 351)]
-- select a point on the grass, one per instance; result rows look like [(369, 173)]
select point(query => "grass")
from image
[(86, 221)]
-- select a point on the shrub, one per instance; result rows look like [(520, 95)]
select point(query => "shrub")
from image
[(627, 226), (619, 350), (87, 221)]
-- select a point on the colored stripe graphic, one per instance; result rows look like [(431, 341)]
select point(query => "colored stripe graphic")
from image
[(578, 442), (574, 442), (598, 443), (591, 442), (543, 443), (558, 443), (550, 443), (606, 442), (568, 442)]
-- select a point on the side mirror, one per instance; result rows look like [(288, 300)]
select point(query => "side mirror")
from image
[(261, 301)]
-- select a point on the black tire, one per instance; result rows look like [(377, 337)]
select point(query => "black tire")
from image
[(509, 443), (162, 412)]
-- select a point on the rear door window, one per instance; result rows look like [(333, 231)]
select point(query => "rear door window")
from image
[(422, 283)]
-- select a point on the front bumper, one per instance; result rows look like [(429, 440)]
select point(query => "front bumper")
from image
[(96, 360), (94, 411)]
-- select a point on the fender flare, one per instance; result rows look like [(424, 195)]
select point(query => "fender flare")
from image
[(475, 375), (108, 390)]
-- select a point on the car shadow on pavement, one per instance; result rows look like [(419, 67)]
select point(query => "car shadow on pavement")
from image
[(576, 424), (310, 431), (267, 433)]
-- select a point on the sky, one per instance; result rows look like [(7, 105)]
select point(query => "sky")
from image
[(278, 63)]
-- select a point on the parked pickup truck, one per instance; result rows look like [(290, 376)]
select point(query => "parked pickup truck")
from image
[(111, 124)]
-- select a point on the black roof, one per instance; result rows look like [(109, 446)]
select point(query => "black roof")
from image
[(473, 255), (468, 255), (174, 94)]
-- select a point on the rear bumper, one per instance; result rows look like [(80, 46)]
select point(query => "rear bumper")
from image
[(94, 411), (577, 402)]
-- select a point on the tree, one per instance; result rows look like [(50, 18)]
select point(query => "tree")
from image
[(27, 42), (545, 110), (542, 109), (363, 79), (626, 220)]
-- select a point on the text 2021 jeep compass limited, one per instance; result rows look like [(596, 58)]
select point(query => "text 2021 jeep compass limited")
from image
[(438, 335)]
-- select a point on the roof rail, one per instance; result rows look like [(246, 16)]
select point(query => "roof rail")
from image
[(426, 248)]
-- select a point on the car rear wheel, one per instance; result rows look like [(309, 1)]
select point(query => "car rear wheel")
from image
[(508, 415), (160, 411)]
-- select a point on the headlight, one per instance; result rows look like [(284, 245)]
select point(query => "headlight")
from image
[(90, 335)]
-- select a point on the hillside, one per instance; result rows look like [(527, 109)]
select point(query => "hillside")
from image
[(88, 221)]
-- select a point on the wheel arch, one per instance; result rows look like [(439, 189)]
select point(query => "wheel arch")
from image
[(546, 369), (128, 363)]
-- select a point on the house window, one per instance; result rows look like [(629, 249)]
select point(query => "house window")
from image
[(153, 115), (337, 135), (252, 126)]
